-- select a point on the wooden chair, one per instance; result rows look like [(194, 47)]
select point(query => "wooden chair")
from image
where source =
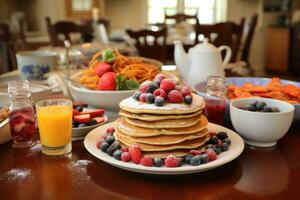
[(226, 33), (181, 17), (148, 43), (65, 28)]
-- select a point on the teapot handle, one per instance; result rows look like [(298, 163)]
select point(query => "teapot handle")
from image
[(227, 55)]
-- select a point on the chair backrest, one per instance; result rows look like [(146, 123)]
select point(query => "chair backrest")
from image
[(65, 28), (151, 44), (181, 17), (248, 25), (225, 33)]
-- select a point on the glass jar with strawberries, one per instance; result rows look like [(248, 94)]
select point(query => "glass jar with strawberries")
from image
[(215, 99), (21, 116)]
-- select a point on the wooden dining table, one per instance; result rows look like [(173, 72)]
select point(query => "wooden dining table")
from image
[(258, 173)]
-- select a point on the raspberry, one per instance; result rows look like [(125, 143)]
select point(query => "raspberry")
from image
[(185, 91), (143, 97), (110, 130), (211, 154), (147, 161), (160, 77), (167, 85), (124, 149), (144, 88), (171, 161), (195, 152), (175, 96), (135, 153), (98, 144), (160, 92), (125, 157)]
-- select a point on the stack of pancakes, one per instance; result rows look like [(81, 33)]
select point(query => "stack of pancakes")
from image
[(160, 131)]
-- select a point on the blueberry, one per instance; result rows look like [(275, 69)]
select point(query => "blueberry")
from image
[(267, 109), (152, 88), (222, 135), (149, 98), (195, 160), (204, 158), (159, 101), (156, 82), (188, 158), (113, 147), (217, 149), (109, 139), (79, 108), (136, 96), (104, 146), (81, 125), (158, 162), (213, 140), (188, 99), (92, 122), (117, 154), (227, 140), (260, 106), (224, 147), (209, 146)]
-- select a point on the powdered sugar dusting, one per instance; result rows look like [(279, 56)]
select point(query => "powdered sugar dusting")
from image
[(79, 168), (36, 148), (16, 175)]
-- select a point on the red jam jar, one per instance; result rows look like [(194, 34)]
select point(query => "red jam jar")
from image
[(215, 99), (21, 116)]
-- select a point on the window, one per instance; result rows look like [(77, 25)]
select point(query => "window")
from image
[(208, 11), (80, 9)]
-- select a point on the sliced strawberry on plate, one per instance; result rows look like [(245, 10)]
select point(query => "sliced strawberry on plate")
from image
[(75, 112), (99, 119), (94, 113), (102, 67), (86, 118)]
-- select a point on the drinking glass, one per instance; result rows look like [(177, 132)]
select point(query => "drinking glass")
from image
[(55, 125)]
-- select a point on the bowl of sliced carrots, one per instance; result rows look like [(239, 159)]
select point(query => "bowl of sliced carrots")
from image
[(249, 87)]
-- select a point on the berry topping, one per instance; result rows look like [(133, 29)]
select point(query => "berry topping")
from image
[(224, 147), (147, 161), (186, 91), (160, 93), (143, 97), (135, 153), (167, 85), (160, 77), (195, 160), (211, 154), (213, 140), (227, 140), (188, 99), (171, 161), (152, 88), (149, 98), (175, 96), (107, 81), (117, 154), (110, 130), (195, 152), (159, 101), (188, 158), (125, 157), (98, 144), (136, 95), (144, 86), (157, 82), (113, 147), (109, 139), (124, 149), (222, 135), (217, 149), (204, 158), (104, 146), (158, 162), (178, 87)]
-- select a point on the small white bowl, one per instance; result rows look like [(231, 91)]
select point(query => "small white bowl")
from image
[(82, 131), (261, 129)]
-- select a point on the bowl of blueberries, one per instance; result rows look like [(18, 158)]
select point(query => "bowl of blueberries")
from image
[(261, 121)]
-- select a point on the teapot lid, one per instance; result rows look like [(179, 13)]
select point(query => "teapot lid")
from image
[(204, 46)]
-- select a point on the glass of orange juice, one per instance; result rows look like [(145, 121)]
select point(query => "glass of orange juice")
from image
[(55, 125)]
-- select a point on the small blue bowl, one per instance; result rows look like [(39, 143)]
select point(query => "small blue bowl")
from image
[(239, 81)]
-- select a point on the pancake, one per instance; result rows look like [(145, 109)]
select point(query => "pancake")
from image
[(166, 139), (155, 117), (137, 107), (166, 123), (189, 144), (134, 131)]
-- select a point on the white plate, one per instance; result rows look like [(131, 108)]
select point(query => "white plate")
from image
[(82, 131), (235, 149)]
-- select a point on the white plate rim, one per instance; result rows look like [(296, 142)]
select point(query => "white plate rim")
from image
[(235, 149)]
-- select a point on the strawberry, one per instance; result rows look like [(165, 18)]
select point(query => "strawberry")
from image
[(125, 157), (124, 149), (94, 113), (211, 154), (185, 91), (75, 112), (107, 81), (171, 161), (160, 92), (110, 130), (167, 85), (175, 96), (99, 119), (86, 118), (101, 68), (135, 154), (143, 97), (160, 77), (147, 161)]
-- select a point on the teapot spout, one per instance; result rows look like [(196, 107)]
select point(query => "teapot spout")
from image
[(182, 60)]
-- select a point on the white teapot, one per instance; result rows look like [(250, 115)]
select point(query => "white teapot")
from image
[(201, 61)]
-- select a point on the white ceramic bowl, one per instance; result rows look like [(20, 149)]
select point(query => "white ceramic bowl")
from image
[(109, 100), (258, 128)]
